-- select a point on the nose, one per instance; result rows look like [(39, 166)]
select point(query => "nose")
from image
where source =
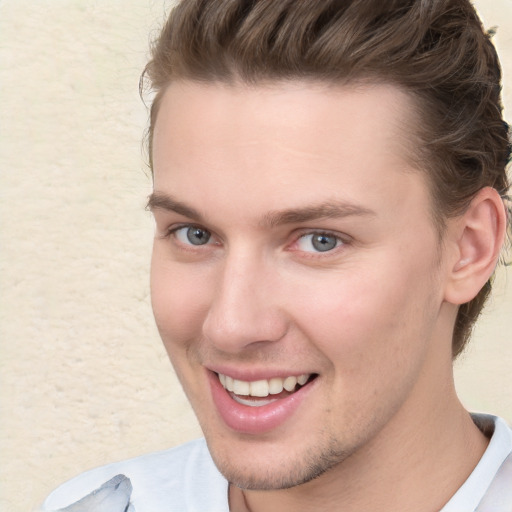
[(244, 311)]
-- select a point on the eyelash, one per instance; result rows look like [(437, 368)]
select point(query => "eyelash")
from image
[(340, 240)]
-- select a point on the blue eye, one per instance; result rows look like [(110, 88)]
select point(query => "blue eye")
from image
[(318, 242), (192, 235)]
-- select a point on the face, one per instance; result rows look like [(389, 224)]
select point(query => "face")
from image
[(296, 271)]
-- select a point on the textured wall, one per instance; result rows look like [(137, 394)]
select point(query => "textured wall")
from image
[(84, 380)]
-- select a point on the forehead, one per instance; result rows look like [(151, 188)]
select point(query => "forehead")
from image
[(284, 142)]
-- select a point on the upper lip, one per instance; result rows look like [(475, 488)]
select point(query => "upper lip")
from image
[(254, 374)]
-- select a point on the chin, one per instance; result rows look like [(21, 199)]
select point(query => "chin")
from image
[(268, 470)]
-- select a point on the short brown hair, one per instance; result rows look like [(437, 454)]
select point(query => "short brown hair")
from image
[(436, 50)]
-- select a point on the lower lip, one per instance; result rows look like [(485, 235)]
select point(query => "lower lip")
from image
[(255, 420)]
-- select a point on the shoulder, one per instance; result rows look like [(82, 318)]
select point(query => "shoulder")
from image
[(489, 487), (498, 496), (170, 476)]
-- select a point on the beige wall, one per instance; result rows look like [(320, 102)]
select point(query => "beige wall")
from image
[(84, 379)]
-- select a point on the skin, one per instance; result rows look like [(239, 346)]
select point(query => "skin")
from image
[(382, 428)]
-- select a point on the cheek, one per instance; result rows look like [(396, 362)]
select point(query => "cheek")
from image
[(373, 334), (179, 299), (369, 315)]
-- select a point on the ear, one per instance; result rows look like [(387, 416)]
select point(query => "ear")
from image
[(477, 237)]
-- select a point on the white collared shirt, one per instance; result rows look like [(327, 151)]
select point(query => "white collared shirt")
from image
[(471, 495), (185, 479)]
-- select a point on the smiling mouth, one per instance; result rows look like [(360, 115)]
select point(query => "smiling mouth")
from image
[(263, 392)]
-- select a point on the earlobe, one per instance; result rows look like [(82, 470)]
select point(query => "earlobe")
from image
[(478, 237)]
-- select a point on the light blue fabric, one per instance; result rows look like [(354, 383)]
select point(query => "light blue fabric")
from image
[(185, 479), (112, 496)]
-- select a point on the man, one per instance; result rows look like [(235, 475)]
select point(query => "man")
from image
[(329, 186)]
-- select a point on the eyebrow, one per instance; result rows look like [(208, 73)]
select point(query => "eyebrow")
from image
[(325, 210), (160, 201)]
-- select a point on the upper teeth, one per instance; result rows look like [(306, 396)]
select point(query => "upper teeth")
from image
[(264, 387)]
